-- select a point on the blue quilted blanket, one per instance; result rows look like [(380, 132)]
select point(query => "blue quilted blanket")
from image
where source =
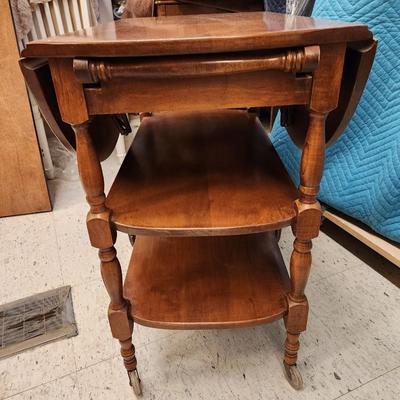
[(362, 169)]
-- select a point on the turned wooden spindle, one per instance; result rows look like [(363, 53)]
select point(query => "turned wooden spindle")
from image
[(292, 346), (305, 228), (128, 354), (299, 269), (312, 160), (90, 171), (303, 59), (324, 98), (102, 236)]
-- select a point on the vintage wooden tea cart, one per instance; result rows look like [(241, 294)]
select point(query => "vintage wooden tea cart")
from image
[(202, 188)]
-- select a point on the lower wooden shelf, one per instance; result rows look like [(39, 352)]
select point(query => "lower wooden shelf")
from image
[(206, 282)]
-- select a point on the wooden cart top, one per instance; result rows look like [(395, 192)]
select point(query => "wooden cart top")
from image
[(190, 34)]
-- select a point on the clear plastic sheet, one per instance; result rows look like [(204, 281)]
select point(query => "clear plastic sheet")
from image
[(293, 7), (65, 163)]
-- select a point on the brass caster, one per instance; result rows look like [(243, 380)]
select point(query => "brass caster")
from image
[(278, 234), (132, 239), (293, 376), (135, 383)]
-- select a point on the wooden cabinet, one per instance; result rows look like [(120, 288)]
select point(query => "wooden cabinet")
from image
[(23, 186)]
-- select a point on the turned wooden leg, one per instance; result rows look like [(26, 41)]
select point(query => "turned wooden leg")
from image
[(292, 345), (118, 313), (296, 321), (102, 236), (305, 228)]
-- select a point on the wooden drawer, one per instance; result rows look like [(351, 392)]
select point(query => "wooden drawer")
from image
[(181, 7)]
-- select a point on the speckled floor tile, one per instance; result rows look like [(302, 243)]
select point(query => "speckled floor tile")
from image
[(63, 388), (35, 367), (94, 342), (386, 387), (106, 380), (79, 261), (245, 358), (177, 367), (250, 360), (328, 257), (361, 309), (29, 260)]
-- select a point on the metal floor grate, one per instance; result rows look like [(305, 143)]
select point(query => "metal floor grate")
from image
[(36, 320)]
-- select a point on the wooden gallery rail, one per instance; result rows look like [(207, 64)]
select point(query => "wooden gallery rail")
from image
[(300, 60), (202, 189)]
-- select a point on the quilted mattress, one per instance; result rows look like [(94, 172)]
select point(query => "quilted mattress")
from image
[(362, 169)]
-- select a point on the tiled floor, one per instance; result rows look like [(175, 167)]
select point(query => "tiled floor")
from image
[(350, 350)]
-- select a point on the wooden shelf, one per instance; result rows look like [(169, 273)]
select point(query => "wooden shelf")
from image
[(206, 282), (200, 174)]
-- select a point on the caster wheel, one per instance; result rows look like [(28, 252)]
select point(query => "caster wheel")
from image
[(278, 234), (135, 383), (132, 239), (293, 376)]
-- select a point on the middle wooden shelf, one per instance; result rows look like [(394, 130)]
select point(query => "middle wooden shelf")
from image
[(201, 174)]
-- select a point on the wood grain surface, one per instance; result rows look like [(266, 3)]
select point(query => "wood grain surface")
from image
[(23, 186), (198, 283), (211, 173), (189, 34)]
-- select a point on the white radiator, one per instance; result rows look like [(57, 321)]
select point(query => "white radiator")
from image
[(51, 18), (56, 17)]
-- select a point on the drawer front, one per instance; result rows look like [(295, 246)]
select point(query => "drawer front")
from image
[(163, 8), (252, 89), (198, 82), (176, 7)]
